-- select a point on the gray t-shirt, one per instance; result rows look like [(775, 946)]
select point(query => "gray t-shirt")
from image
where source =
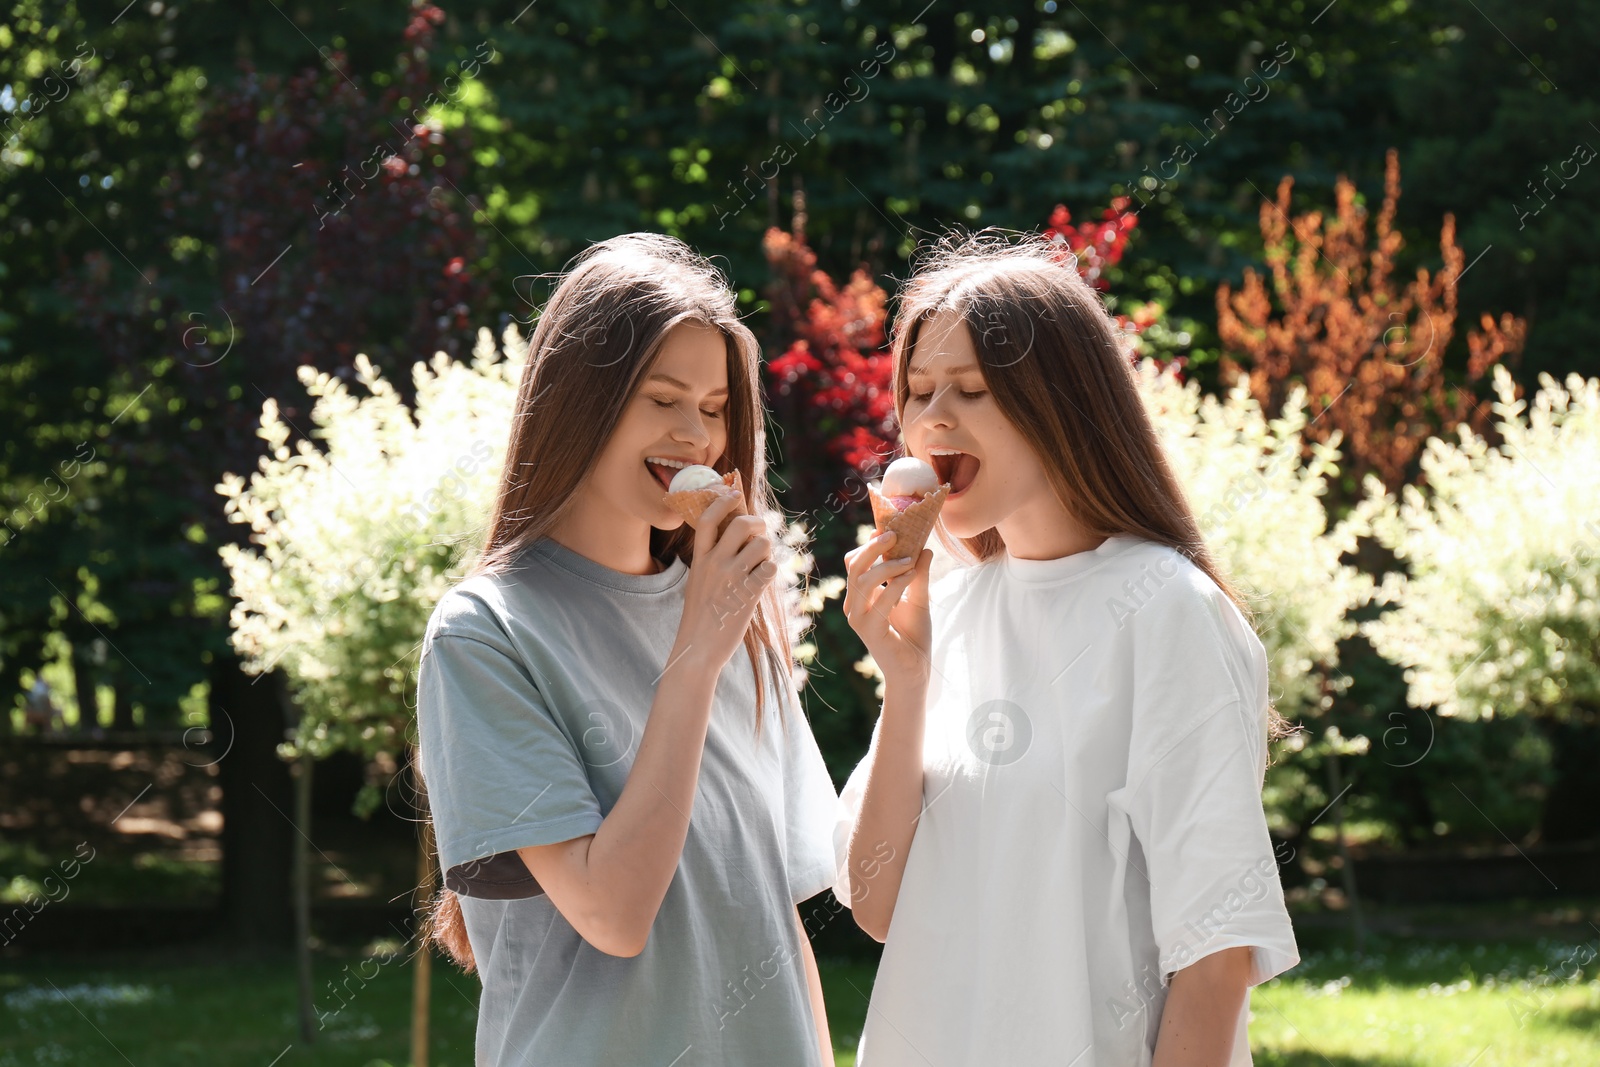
[(533, 693)]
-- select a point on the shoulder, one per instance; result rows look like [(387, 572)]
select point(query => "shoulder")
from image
[(476, 608), (1173, 608), (1159, 586)]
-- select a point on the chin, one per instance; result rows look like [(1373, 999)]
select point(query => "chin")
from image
[(958, 529), (664, 518), (969, 523)]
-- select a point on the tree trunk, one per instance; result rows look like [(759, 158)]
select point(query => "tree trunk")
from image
[(302, 894), (1572, 805), (247, 722), (83, 689), (122, 709), (422, 988), (1347, 869)]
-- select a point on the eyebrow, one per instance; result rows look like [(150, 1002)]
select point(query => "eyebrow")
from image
[(923, 369), (670, 380)]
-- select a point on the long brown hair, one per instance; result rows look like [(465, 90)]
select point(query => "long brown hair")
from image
[(594, 343), (1059, 368)]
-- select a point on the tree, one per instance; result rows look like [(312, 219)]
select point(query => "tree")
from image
[(1370, 349), (1495, 115), (202, 254), (356, 537)]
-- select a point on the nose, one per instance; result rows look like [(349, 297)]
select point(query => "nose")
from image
[(938, 413), (691, 429)]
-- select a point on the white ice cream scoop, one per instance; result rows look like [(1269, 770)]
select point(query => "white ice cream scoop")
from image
[(694, 476), (909, 476)]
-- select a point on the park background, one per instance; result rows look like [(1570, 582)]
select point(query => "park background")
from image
[(228, 232)]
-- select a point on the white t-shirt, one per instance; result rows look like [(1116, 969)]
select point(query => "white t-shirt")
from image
[(1092, 769)]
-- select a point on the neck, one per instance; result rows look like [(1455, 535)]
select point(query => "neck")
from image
[(1043, 529), (609, 537)]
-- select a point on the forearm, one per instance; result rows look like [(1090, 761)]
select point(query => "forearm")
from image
[(819, 1010), (1202, 1010), (622, 873), (891, 804)]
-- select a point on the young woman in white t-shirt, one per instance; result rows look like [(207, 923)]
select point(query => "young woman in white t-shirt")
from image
[(629, 803), (1057, 831)]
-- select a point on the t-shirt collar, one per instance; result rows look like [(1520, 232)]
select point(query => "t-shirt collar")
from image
[(584, 567), (1064, 567)]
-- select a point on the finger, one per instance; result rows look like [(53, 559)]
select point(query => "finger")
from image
[(919, 584), (748, 589), (867, 584), (860, 586), (892, 593), (867, 624), (705, 531), (886, 569), (741, 528), (756, 550), (869, 552)]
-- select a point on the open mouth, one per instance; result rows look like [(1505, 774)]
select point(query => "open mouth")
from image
[(957, 468), (662, 473)]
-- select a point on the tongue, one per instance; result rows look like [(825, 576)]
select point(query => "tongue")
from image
[(660, 474), (965, 469)]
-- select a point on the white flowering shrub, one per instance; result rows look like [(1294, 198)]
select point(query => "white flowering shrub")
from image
[(1259, 507), (1500, 611), (357, 536), (803, 595)]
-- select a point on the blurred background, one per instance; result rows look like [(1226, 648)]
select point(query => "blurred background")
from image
[(1352, 246)]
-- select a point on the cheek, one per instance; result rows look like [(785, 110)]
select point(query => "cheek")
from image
[(635, 431), (1007, 452)]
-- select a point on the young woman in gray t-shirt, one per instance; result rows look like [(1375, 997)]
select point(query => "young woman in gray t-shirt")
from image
[(625, 816)]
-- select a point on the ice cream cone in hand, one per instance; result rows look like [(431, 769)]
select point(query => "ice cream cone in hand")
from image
[(907, 502), (696, 486)]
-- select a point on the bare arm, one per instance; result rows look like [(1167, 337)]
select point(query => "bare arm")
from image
[(891, 804), (609, 884), (819, 1010), (1202, 1011), (886, 601)]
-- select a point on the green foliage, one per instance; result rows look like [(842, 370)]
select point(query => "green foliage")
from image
[(895, 118), (1500, 110)]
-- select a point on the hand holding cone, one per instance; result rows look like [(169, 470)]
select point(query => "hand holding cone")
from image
[(690, 503)]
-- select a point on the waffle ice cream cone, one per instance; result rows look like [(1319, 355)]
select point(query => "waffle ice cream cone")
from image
[(911, 525), (690, 503)]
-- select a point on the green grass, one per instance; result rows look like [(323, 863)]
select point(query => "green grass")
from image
[(1416, 1004), (123, 877), (1434, 1005)]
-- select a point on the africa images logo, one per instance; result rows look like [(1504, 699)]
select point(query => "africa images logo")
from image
[(999, 732)]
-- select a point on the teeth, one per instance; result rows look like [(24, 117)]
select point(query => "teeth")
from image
[(945, 452), (666, 462)]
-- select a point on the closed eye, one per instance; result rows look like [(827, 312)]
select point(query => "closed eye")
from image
[(670, 404), (923, 397)]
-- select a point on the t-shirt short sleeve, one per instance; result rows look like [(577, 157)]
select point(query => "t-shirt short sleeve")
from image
[(845, 821), (500, 772), (811, 807), (1196, 765)]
